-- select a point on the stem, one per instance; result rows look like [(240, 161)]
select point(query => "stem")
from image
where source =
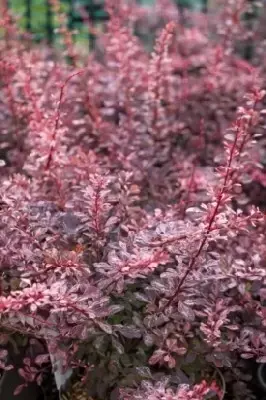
[(57, 119), (228, 174)]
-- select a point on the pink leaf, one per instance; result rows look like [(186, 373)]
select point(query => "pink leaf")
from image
[(261, 359), (27, 361), (157, 357), (246, 356), (19, 389), (42, 359), (3, 354), (186, 311)]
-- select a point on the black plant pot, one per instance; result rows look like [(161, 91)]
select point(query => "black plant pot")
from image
[(261, 375)]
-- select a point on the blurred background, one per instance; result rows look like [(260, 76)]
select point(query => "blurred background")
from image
[(37, 18)]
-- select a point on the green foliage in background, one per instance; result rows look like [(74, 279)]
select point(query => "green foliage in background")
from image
[(38, 15), (39, 9), (193, 4)]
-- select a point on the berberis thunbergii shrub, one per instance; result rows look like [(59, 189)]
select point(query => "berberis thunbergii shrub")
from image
[(130, 242)]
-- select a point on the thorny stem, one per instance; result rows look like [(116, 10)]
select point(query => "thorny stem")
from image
[(96, 210), (57, 118), (163, 43), (228, 175), (167, 241)]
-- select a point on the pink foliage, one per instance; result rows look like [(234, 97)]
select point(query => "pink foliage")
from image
[(128, 217)]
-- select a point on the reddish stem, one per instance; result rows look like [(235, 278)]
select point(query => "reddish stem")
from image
[(222, 191), (57, 119)]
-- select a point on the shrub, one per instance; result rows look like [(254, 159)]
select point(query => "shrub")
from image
[(130, 241)]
